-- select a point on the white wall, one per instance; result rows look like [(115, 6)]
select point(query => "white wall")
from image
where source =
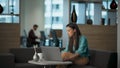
[(118, 35), (97, 14), (66, 16), (32, 12)]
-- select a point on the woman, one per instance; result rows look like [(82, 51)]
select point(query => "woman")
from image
[(77, 49)]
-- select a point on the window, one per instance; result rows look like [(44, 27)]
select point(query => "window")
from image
[(55, 19), (55, 6), (54, 14), (10, 12), (86, 12)]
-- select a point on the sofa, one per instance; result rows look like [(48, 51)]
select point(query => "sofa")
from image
[(100, 59), (18, 58), (7, 60)]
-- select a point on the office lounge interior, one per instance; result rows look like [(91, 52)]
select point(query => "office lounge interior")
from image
[(32, 12)]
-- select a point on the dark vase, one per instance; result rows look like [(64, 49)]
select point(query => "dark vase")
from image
[(89, 21), (113, 4), (1, 9), (74, 15)]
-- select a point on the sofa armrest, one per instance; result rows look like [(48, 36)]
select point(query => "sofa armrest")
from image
[(7, 60)]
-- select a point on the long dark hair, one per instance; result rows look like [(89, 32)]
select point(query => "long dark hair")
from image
[(75, 37)]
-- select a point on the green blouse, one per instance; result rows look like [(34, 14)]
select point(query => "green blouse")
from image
[(83, 47)]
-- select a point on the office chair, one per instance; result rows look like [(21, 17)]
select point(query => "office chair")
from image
[(43, 38)]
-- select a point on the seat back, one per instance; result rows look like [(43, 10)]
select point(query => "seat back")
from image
[(22, 55)]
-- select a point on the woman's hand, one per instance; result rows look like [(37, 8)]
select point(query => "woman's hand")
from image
[(72, 57), (68, 59), (69, 56)]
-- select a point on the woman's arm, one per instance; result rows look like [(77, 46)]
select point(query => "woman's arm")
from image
[(83, 47)]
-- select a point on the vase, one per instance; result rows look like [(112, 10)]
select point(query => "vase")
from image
[(113, 4), (1, 9), (89, 21), (35, 56), (103, 21), (74, 15)]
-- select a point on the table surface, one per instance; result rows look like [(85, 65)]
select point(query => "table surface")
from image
[(50, 62)]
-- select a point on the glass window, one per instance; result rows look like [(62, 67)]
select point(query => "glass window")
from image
[(10, 12), (86, 12), (57, 6), (53, 14)]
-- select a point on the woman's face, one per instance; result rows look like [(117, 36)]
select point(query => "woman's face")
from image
[(70, 31)]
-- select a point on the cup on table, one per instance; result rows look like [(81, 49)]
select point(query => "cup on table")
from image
[(40, 56)]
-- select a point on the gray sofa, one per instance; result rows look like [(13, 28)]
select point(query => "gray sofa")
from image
[(18, 58), (100, 59), (7, 60), (22, 55)]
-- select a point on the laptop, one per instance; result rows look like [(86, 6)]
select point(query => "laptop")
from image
[(52, 54)]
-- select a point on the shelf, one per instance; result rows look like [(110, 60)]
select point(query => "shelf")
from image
[(11, 14), (87, 1), (110, 10), (100, 11)]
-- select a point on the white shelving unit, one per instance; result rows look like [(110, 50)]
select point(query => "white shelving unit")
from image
[(10, 12), (96, 12)]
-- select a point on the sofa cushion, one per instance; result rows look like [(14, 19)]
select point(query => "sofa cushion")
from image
[(88, 66), (113, 60), (79, 66), (101, 59), (22, 55), (7, 60), (27, 65), (92, 56)]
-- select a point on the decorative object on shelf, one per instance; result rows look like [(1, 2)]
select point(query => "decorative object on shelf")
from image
[(113, 4), (108, 21), (103, 7), (74, 15), (12, 7), (35, 56), (1, 9), (103, 21), (89, 20)]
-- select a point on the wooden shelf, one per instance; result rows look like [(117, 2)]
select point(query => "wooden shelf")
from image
[(11, 14), (110, 10), (87, 1)]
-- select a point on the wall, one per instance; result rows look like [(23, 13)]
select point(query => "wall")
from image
[(32, 12), (66, 18), (118, 35), (9, 37), (100, 37)]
